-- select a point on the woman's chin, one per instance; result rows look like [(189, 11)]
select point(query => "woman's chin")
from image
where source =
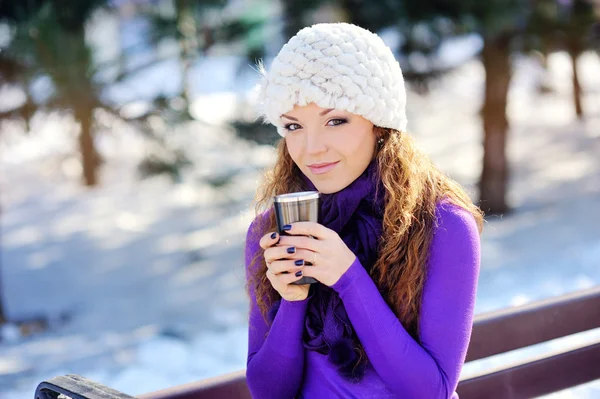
[(325, 188)]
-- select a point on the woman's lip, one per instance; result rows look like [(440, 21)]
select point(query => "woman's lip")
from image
[(319, 170)]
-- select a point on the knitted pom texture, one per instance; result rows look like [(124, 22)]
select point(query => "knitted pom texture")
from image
[(335, 65)]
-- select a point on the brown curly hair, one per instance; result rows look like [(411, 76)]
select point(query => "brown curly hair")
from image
[(413, 187)]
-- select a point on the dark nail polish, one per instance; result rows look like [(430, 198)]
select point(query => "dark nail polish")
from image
[(286, 227), (273, 236), (299, 262), (299, 273), (291, 250)]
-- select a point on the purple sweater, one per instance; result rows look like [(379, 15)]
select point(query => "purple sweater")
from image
[(399, 367)]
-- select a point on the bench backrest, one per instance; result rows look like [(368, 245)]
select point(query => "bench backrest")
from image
[(493, 333), (517, 328)]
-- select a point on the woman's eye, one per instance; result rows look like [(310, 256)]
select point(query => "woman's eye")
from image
[(292, 126), (337, 122)]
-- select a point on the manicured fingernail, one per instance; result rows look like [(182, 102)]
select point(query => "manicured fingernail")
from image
[(291, 250), (287, 227), (273, 236), (299, 262), (299, 273)]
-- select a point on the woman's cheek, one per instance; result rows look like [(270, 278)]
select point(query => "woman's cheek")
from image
[(291, 145)]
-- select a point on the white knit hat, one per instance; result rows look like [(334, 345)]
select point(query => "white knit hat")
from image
[(335, 65)]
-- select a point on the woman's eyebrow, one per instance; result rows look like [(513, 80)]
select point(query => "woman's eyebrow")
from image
[(320, 113)]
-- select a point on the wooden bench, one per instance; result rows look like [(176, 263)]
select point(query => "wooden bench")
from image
[(493, 333)]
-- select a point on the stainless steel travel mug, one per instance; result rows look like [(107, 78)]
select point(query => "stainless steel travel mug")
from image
[(297, 207)]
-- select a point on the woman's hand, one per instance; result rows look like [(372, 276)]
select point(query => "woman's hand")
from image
[(283, 268), (329, 255)]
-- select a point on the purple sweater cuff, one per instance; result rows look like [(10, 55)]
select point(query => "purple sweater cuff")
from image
[(354, 273), (288, 323)]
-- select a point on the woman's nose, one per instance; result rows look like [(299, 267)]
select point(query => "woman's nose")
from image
[(315, 143)]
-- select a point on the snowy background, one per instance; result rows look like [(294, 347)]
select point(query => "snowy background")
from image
[(143, 280)]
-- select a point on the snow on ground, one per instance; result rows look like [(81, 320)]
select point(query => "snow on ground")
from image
[(150, 274)]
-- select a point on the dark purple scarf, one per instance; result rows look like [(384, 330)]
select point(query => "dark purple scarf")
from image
[(356, 215)]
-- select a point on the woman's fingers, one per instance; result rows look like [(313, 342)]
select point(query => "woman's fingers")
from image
[(281, 280), (290, 266), (305, 242), (269, 240), (285, 263), (287, 279), (310, 229), (276, 253)]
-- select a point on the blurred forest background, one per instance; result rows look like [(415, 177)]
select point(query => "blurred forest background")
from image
[(130, 152)]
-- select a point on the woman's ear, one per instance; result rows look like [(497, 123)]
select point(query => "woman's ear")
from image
[(379, 140)]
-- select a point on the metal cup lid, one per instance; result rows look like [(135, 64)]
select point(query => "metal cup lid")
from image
[(299, 196)]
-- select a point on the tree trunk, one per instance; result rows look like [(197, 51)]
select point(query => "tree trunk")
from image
[(544, 85), (2, 316), (494, 175), (574, 54), (188, 44), (354, 10), (89, 156), (294, 16)]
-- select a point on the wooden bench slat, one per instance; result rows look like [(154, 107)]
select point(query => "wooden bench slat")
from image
[(515, 328), (540, 377), (231, 385)]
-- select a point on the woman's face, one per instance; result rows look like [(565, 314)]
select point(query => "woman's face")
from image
[(331, 147)]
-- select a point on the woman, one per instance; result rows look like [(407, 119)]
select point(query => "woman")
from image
[(396, 253)]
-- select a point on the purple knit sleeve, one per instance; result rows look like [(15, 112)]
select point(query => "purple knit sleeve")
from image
[(430, 369), (275, 361)]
